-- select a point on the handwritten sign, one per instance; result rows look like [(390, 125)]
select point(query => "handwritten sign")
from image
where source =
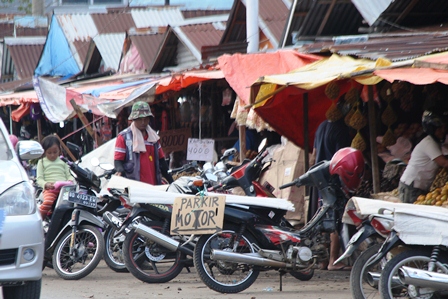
[(197, 215), (175, 140), (200, 149)]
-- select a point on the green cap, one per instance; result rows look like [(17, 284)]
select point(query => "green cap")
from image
[(139, 110)]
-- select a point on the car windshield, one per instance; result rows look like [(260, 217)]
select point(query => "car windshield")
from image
[(5, 151)]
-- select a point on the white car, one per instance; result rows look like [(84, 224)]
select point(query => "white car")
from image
[(21, 232)]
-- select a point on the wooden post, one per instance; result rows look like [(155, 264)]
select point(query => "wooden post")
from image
[(66, 148), (306, 138), (373, 149), (39, 130), (242, 136), (83, 119)]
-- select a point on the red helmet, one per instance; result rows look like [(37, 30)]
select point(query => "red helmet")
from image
[(348, 164)]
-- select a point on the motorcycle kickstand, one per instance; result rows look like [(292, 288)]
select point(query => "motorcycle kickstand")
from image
[(282, 273)]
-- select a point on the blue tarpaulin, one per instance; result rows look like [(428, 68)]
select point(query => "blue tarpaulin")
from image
[(57, 58)]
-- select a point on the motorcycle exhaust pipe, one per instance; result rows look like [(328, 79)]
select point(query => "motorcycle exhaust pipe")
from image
[(423, 278), (373, 279), (247, 258), (157, 237)]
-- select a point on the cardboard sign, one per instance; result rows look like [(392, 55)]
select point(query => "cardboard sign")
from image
[(197, 215), (200, 149), (174, 140)]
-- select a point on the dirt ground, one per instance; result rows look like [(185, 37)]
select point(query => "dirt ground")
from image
[(103, 283)]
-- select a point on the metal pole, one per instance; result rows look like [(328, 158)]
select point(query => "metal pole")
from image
[(373, 149)]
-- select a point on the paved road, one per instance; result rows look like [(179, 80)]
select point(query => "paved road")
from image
[(103, 283)]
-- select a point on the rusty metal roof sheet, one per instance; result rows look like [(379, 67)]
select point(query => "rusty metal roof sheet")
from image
[(113, 22), (148, 46), (25, 53), (198, 35), (273, 15), (110, 47), (77, 27), (194, 13), (157, 16), (395, 47)]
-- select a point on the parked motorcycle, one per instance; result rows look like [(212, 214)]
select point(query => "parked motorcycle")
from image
[(372, 231), (74, 241), (252, 240), (421, 271)]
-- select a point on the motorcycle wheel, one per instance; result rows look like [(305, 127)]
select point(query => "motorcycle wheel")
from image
[(89, 249), (391, 287), (222, 276), (361, 288), (113, 256), (303, 276), (148, 261)]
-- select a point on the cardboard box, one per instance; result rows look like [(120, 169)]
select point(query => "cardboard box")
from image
[(288, 164)]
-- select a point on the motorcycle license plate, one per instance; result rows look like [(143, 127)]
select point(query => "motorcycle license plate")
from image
[(356, 236), (82, 199), (2, 220)]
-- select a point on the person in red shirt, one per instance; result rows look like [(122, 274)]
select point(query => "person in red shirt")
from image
[(138, 152)]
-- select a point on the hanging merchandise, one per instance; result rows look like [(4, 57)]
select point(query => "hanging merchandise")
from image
[(164, 118), (386, 92), (389, 138), (352, 96), (358, 120), (35, 111), (389, 118), (333, 113), (358, 142), (332, 90), (226, 97)]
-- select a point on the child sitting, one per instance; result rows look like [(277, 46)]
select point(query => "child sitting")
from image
[(51, 169)]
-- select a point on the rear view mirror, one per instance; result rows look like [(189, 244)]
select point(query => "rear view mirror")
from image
[(75, 149), (229, 152)]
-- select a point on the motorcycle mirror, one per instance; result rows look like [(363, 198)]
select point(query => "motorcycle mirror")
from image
[(229, 152), (263, 144), (95, 161)]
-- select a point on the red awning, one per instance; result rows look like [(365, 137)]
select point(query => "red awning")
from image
[(178, 81)]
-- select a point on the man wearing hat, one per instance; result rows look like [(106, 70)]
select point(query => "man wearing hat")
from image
[(138, 152)]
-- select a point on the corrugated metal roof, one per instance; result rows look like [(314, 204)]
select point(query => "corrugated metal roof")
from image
[(198, 35), (113, 22), (110, 47), (273, 13), (166, 56), (25, 53), (201, 13), (157, 16), (6, 29), (81, 47), (148, 46), (77, 27), (395, 47)]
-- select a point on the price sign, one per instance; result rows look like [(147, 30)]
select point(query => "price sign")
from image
[(200, 149), (174, 140)]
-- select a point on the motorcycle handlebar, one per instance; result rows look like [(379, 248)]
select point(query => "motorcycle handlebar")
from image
[(287, 185), (213, 188)]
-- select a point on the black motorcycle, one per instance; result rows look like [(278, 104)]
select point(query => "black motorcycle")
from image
[(73, 241)]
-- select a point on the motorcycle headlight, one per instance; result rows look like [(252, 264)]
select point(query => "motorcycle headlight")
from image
[(18, 200)]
